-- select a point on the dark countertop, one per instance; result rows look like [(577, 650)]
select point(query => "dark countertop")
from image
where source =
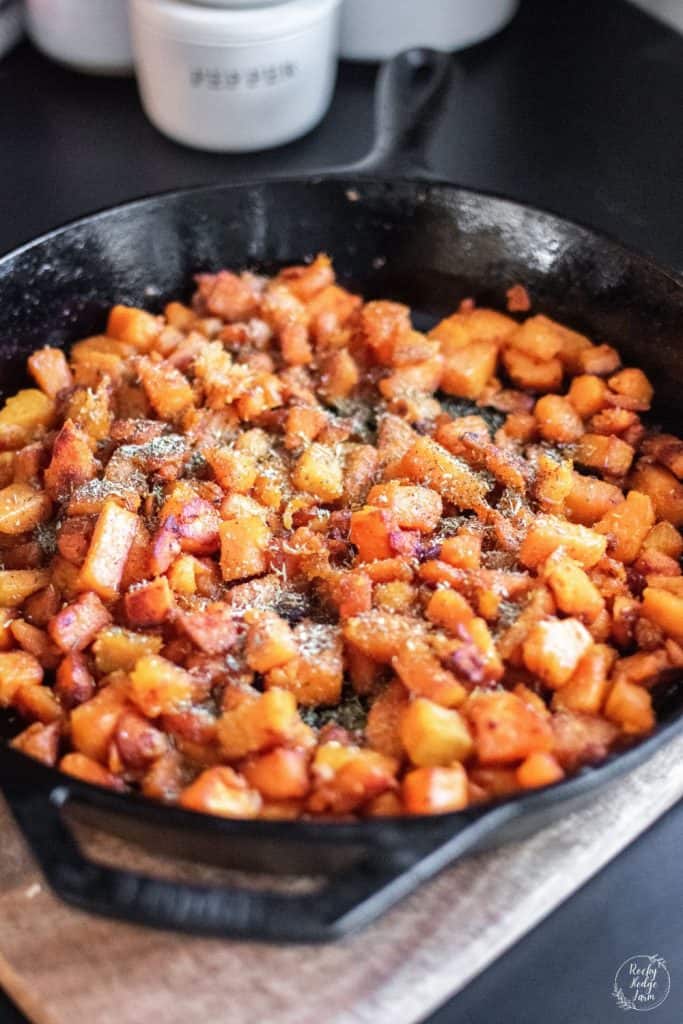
[(575, 107)]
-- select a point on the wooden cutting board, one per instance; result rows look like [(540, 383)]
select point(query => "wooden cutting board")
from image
[(61, 965)]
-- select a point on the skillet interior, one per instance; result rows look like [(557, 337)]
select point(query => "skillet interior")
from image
[(428, 245)]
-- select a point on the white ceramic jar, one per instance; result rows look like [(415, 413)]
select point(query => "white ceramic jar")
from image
[(379, 29), (235, 75), (89, 35)]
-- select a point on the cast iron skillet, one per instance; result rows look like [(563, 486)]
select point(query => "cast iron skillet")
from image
[(391, 235)]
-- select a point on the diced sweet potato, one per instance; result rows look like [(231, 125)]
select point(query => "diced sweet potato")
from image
[(135, 326), (587, 393), (150, 603), (430, 464), (412, 507), (24, 416), (627, 525), (467, 371), (93, 723), (138, 742), (589, 499), (634, 384), (666, 539), (244, 546), (235, 471), (280, 774), (36, 641), (318, 471), (315, 675), (665, 610), (574, 592), (111, 542), (158, 686), (346, 777), (553, 649), (118, 650), (88, 770), (588, 686), (371, 530), (168, 390), (506, 729), (72, 463), (630, 706), (539, 769), (383, 727), (17, 669), (435, 790), (557, 419), (40, 741), (212, 630), (434, 735), (270, 641), (663, 489), (76, 626), (50, 370), (259, 723), (605, 453), (449, 609), (547, 533), (22, 508), (667, 450), (37, 703), (532, 374), (421, 672)]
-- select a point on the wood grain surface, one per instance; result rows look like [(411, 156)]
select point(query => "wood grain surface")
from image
[(62, 966)]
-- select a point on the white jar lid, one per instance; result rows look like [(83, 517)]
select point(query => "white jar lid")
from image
[(214, 22)]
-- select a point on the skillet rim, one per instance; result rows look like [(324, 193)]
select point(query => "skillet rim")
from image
[(524, 802)]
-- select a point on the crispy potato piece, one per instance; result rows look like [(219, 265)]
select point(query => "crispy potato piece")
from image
[(88, 770), (605, 453), (627, 525), (118, 650), (280, 774), (435, 790), (412, 507), (539, 769), (428, 463), (270, 641), (17, 669), (50, 370), (93, 723), (22, 508), (259, 723), (665, 610), (433, 735), (157, 686), (557, 419), (548, 533), (25, 416), (76, 626), (506, 729), (111, 542), (72, 463), (663, 489), (630, 706), (244, 546), (40, 741), (589, 499), (553, 649), (315, 675), (149, 603), (135, 326)]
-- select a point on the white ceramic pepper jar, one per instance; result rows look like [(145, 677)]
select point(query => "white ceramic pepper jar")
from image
[(235, 75), (89, 35)]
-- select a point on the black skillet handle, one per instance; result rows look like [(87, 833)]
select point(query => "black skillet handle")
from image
[(347, 902), (408, 98)]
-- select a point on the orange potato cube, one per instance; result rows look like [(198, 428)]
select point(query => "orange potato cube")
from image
[(606, 453), (111, 542), (77, 625), (547, 533), (18, 584), (94, 722), (539, 769), (50, 370), (467, 371), (665, 538), (17, 669), (379, 634), (633, 384), (119, 650), (430, 464), (532, 374), (462, 328), (370, 531), (539, 337), (74, 682), (412, 507), (449, 609), (150, 603), (88, 770), (664, 490), (221, 791), (39, 741), (630, 707), (588, 395), (557, 419), (135, 326), (627, 525), (24, 416), (280, 774), (589, 499), (597, 359), (574, 592), (258, 723), (270, 641), (383, 726), (37, 702), (234, 470), (157, 686), (169, 392), (553, 649), (340, 375), (434, 735), (588, 686), (316, 674), (73, 463), (422, 673), (319, 472), (435, 790), (506, 728), (346, 777), (244, 547), (665, 610), (22, 508)]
